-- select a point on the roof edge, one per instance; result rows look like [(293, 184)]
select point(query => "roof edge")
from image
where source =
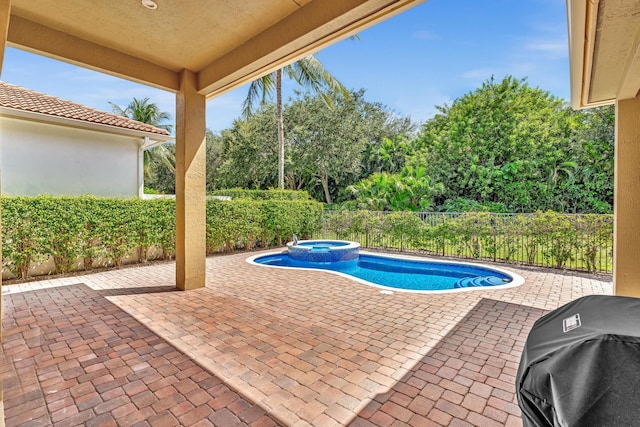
[(81, 124), (576, 16)]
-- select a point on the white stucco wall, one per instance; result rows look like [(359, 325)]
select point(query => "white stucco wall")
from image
[(41, 158)]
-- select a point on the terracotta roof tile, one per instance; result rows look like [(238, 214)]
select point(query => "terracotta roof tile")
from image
[(19, 98)]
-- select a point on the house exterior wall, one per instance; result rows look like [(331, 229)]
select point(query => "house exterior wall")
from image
[(42, 158)]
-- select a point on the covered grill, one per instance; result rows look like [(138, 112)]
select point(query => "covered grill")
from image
[(581, 365)]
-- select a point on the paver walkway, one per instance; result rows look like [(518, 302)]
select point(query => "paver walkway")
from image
[(74, 358), (264, 346)]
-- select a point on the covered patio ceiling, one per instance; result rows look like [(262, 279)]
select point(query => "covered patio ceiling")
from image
[(604, 48), (226, 43)]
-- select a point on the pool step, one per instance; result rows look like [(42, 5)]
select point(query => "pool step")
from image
[(406, 267), (471, 282)]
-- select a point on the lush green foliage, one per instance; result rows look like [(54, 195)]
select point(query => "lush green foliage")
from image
[(467, 205), (145, 111), (307, 72), (550, 239), (87, 232), (82, 231), (248, 153), (160, 169), (390, 154), (512, 145), (327, 144), (238, 193), (504, 147), (327, 149), (408, 190), (592, 187)]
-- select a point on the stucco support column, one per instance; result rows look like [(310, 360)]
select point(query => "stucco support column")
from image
[(190, 185), (626, 235)]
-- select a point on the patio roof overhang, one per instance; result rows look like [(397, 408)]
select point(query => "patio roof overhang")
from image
[(604, 51), (225, 43)]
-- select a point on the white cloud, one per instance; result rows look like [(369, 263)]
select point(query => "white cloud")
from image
[(122, 93), (552, 49), (516, 69), (549, 27), (520, 69), (481, 74), (425, 35), (421, 105)]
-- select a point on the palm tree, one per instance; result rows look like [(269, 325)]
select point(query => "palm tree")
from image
[(144, 111), (307, 72)]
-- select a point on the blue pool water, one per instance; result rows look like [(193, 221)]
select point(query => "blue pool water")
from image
[(402, 274)]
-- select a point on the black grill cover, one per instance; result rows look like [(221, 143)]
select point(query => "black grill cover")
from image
[(583, 372)]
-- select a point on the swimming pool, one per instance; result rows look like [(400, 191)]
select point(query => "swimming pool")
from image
[(403, 274)]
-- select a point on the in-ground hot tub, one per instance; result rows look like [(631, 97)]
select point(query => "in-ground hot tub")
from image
[(323, 250)]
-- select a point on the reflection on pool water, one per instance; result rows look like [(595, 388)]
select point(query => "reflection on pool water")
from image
[(402, 274)]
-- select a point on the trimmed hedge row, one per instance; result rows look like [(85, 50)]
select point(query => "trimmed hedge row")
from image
[(85, 232), (238, 193)]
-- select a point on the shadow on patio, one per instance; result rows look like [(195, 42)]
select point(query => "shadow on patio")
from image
[(467, 379), (71, 357)]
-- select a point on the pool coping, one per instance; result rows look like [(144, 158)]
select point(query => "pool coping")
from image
[(517, 279)]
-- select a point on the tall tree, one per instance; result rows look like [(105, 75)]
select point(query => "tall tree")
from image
[(505, 142), (309, 73), (324, 146), (327, 144), (162, 178), (248, 152), (145, 111), (214, 159), (596, 142)]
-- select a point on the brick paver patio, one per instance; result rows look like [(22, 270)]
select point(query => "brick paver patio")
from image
[(263, 346)]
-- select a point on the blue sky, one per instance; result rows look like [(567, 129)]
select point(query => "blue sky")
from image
[(427, 56)]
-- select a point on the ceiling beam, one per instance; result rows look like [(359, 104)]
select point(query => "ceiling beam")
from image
[(590, 20), (307, 30), (5, 10), (630, 82), (43, 40), (576, 19)]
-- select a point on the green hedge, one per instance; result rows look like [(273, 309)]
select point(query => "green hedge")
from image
[(238, 193), (549, 239), (84, 232)]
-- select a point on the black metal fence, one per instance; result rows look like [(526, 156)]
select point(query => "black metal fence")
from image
[(546, 239)]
